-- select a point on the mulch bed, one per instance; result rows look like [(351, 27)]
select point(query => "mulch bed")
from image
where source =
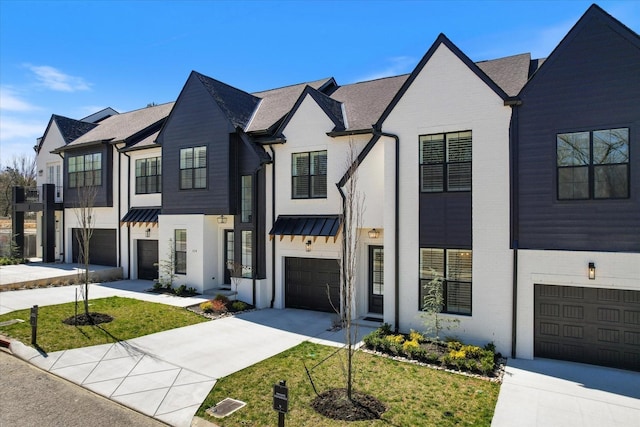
[(335, 405), (91, 319), (218, 314)]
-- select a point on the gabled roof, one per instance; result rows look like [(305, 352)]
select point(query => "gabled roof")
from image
[(276, 103), (121, 127), (365, 102), (510, 73), (331, 107), (237, 105), (98, 116), (594, 12), (70, 129)]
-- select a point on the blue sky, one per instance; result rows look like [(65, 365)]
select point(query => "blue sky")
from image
[(73, 58)]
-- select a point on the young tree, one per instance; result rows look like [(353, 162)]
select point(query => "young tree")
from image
[(84, 212), (236, 270), (167, 268), (433, 304)]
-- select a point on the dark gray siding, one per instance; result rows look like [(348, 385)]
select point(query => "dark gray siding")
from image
[(196, 120), (445, 220), (104, 194), (591, 82)]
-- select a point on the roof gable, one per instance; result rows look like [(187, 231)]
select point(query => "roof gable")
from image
[(70, 129), (237, 105), (331, 107), (594, 13)]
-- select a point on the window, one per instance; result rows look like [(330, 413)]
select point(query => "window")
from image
[(593, 165), (246, 198), (454, 265), (309, 175), (193, 168), (445, 162), (180, 251), (247, 258), (148, 175), (85, 170)]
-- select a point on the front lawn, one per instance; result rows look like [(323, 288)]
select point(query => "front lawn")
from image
[(414, 395), (131, 318)]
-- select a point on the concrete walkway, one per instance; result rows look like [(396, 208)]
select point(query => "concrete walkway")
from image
[(553, 393)]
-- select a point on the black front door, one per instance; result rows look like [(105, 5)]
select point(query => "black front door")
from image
[(147, 259), (376, 279), (229, 257)]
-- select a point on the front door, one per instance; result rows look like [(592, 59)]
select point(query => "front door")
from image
[(376, 279), (229, 257)]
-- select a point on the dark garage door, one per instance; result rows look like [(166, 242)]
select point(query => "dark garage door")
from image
[(306, 281), (147, 259), (588, 325), (102, 247)]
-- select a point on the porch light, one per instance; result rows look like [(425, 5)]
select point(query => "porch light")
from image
[(222, 219), (592, 271), (374, 234), (307, 246), (147, 232)]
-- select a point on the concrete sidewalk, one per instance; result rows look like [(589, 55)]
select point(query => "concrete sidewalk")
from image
[(42, 273), (554, 393)]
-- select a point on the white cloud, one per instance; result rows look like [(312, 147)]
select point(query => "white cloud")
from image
[(10, 101), (12, 128), (398, 65), (54, 79)]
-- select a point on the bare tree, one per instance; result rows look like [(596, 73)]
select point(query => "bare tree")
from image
[(85, 215), (353, 211), (20, 172)]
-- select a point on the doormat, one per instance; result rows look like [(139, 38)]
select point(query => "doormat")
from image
[(225, 407), (373, 319)]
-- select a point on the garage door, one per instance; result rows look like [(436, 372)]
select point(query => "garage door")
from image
[(588, 325), (147, 259), (102, 247), (306, 281)]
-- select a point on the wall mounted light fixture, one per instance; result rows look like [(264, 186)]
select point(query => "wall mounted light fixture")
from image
[(222, 219), (147, 232), (307, 246), (374, 234), (592, 271)]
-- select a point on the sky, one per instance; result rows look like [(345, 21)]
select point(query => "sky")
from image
[(73, 58)]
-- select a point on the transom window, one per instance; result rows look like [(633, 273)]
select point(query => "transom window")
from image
[(193, 168), (454, 266), (180, 254), (149, 175), (309, 175), (593, 164), (445, 162), (85, 170)]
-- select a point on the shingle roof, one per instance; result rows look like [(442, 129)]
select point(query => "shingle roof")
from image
[(510, 73), (124, 125), (276, 103), (364, 102), (72, 129)]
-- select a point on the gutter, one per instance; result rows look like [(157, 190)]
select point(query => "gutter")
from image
[(273, 221), (334, 134), (515, 215), (378, 131), (128, 207)]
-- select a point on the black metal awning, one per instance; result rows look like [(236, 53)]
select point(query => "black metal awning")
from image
[(141, 216), (307, 226)]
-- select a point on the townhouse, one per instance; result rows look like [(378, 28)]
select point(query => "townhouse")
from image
[(515, 179)]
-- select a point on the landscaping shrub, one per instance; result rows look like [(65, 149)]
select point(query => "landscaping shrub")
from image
[(218, 306), (239, 306), (206, 306), (222, 298)]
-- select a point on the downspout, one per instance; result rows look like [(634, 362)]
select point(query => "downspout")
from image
[(378, 131), (64, 232), (119, 212), (273, 221), (254, 235), (344, 244), (514, 170), (128, 207)]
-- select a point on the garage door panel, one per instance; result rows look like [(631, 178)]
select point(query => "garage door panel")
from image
[(102, 246), (306, 281), (589, 325)]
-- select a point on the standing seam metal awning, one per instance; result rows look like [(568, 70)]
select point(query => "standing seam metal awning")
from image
[(141, 216), (307, 226)]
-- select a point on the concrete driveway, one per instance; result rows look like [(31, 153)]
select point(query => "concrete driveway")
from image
[(554, 393)]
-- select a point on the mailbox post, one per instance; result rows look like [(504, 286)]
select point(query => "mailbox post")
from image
[(33, 319), (281, 400)]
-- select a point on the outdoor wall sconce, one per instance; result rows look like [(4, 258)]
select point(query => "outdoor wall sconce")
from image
[(222, 219), (147, 232), (307, 246), (592, 271), (374, 234)]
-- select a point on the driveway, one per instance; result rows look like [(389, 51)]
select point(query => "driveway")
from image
[(553, 393)]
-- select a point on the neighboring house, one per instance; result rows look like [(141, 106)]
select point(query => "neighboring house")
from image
[(100, 159), (515, 179), (577, 204)]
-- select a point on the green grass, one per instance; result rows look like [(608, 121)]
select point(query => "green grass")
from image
[(132, 318), (414, 395)]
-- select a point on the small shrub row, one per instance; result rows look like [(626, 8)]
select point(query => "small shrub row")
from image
[(11, 261), (222, 304), (453, 354), (181, 291)]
